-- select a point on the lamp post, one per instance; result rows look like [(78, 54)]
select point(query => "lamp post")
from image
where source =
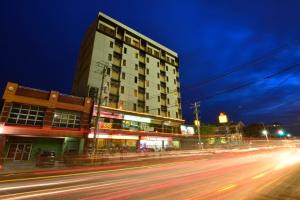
[(265, 133)]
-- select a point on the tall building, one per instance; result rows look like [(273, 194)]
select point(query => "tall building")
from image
[(141, 89)]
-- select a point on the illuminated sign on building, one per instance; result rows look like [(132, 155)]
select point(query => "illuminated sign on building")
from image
[(107, 114), (137, 119), (1, 128), (120, 137), (156, 138), (187, 130), (223, 118)]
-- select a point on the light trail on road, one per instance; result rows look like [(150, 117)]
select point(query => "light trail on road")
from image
[(223, 176)]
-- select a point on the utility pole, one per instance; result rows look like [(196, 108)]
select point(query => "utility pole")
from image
[(99, 101), (196, 106)]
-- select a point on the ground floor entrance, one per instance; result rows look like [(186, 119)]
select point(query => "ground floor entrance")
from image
[(28, 148)]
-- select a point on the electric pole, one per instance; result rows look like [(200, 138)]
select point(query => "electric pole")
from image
[(99, 101), (196, 106)]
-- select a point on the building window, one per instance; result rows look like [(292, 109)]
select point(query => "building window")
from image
[(175, 81), (167, 79), (125, 50), (167, 89), (123, 75), (127, 39), (135, 79), (147, 83), (122, 89), (124, 62), (136, 67), (136, 55), (147, 95), (135, 93), (157, 64), (168, 100), (66, 119), (109, 57), (108, 71), (174, 71), (168, 113), (166, 67), (147, 71), (111, 44), (147, 108), (158, 111), (176, 114), (147, 59), (149, 50), (158, 99), (157, 75), (156, 53), (134, 106), (158, 86), (93, 93), (26, 114)]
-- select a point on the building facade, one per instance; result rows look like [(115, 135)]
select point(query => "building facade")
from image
[(140, 92), (34, 120)]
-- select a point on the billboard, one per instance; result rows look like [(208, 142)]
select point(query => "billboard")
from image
[(187, 130)]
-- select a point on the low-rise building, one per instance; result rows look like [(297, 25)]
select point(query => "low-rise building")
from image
[(35, 120)]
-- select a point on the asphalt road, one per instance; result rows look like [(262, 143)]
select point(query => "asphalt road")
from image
[(258, 175)]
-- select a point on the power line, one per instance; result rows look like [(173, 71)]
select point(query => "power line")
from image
[(254, 62)]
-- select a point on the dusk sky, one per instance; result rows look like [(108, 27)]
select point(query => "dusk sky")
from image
[(239, 57)]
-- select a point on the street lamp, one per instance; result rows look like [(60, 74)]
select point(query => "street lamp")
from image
[(265, 133), (289, 135)]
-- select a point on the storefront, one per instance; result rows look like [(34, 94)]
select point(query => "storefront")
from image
[(156, 143), (27, 148), (118, 141)]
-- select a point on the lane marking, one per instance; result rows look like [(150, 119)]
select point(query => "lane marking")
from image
[(258, 176), (25, 195), (227, 188), (87, 173)]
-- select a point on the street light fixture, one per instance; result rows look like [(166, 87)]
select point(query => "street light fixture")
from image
[(265, 133)]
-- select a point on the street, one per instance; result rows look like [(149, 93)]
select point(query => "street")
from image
[(253, 175)]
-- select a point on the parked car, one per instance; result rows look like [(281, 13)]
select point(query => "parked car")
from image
[(46, 159)]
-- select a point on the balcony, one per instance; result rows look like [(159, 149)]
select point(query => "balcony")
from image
[(142, 59), (163, 102), (141, 97), (115, 75), (117, 62), (141, 109), (162, 68), (113, 104), (163, 78), (163, 90), (141, 83), (136, 44), (119, 36), (114, 90), (142, 71), (118, 49)]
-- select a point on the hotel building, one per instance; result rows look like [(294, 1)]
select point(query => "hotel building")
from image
[(140, 97)]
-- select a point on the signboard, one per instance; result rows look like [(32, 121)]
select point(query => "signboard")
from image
[(223, 118), (120, 137), (137, 119), (187, 130), (107, 114), (156, 138)]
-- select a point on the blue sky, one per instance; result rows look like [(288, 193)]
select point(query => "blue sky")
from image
[(40, 42)]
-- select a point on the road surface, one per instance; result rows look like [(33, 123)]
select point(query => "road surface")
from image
[(263, 175)]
